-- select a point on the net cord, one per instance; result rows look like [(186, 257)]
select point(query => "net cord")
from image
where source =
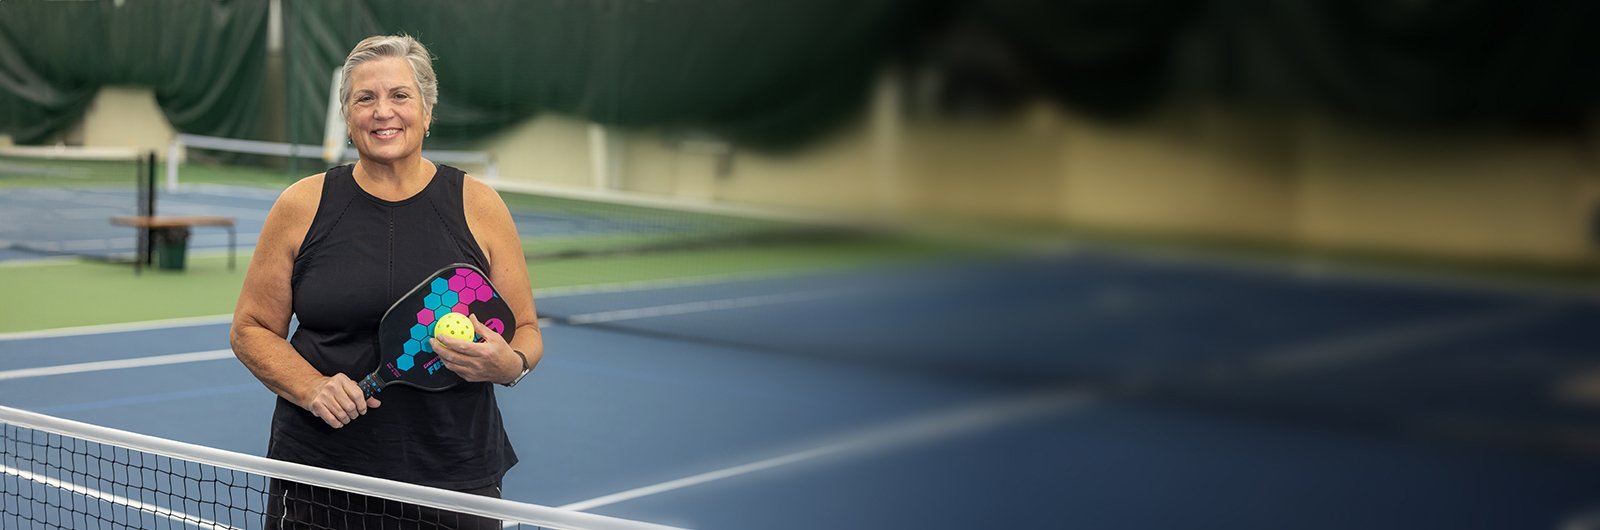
[(315, 151), (487, 160), (73, 153), (371, 486), (683, 204)]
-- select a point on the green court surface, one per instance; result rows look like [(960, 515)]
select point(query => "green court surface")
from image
[(77, 293), (78, 173)]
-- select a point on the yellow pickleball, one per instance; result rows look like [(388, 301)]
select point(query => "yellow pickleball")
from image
[(454, 325)]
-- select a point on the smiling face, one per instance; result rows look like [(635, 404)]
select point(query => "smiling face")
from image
[(386, 119)]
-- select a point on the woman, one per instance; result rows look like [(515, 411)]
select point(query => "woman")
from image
[(337, 249)]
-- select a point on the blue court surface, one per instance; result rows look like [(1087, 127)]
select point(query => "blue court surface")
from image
[(1081, 390), (41, 222)]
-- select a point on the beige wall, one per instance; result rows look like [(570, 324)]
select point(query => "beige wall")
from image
[(1185, 169), (1189, 170), (1304, 178), (994, 170), (547, 149), (1268, 175), (127, 117), (833, 175), (1481, 194), (1276, 176)]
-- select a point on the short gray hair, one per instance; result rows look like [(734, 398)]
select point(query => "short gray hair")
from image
[(382, 46)]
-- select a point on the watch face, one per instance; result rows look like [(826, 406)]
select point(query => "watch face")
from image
[(518, 379)]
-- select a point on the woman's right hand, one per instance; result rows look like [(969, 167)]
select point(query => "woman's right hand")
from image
[(337, 400)]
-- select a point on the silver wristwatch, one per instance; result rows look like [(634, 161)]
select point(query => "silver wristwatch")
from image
[(525, 368)]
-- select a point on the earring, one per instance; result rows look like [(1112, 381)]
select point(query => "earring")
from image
[(427, 133), (349, 141)]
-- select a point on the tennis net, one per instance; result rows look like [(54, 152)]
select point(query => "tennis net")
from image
[(61, 165), (231, 160), (59, 199), (572, 223), (59, 473), (572, 235)]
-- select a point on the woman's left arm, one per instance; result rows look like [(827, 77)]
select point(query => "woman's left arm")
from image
[(493, 360)]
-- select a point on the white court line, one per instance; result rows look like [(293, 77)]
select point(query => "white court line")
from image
[(618, 287), (97, 366), (704, 306), (973, 418), (178, 517), (234, 192), (211, 239), (1388, 341), (32, 262), (1323, 270), (947, 423), (590, 318), (687, 281), (183, 207), (121, 327)]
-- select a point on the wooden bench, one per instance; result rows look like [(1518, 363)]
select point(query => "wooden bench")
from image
[(149, 225)]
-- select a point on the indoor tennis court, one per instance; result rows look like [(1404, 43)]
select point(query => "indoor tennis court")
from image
[(873, 265)]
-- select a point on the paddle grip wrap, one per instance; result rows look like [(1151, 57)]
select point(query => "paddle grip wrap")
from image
[(370, 386)]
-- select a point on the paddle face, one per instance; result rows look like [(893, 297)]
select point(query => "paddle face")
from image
[(405, 354)]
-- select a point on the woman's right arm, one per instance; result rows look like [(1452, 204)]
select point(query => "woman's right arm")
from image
[(261, 318)]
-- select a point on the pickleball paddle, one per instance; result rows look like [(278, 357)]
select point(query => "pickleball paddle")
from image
[(406, 356)]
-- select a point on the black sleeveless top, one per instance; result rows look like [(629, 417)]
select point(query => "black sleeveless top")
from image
[(360, 255)]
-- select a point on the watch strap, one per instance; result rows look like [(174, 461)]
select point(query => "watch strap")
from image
[(525, 368)]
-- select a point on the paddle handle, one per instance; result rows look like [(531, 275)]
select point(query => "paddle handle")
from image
[(372, 384)]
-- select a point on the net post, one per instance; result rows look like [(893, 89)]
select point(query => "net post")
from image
[(599, 154), (333, 123), (173, 150), (146, 182), (141, 201), (148, 168)]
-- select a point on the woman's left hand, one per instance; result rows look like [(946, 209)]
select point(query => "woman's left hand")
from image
[(491, 360)]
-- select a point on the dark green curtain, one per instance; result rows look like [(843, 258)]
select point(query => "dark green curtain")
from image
[(1406, 61), (761, 73), (203, 59), (1393, 61), (1108, 57), (777, 74)]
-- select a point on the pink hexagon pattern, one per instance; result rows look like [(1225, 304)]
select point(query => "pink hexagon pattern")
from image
[(425, 317)]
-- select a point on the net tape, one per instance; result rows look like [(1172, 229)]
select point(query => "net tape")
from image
[(76, 443)]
